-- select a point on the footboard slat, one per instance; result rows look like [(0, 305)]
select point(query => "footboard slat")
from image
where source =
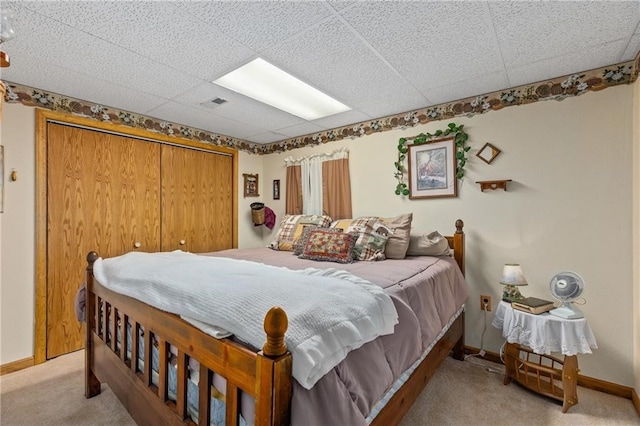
[(232, 400), (135, 344), (204, 397), (162, 370), (124, 346), (113, 313), (181, 397), (148, 356), (105, 322)]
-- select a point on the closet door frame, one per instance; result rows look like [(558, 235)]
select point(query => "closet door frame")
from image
[(42, 118)]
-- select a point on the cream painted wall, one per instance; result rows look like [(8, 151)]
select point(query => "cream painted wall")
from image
[(568, 208), (248, 234), (636, 234), (17, 256)]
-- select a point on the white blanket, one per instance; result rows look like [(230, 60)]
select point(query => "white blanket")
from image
[(331, 312)]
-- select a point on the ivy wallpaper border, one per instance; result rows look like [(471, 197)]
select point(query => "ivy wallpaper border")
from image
[(558, 88)]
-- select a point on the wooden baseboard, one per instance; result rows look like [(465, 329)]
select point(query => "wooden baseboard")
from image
[(635, 400), (584, 381), (16, 365), (488, 355), (604, 386)]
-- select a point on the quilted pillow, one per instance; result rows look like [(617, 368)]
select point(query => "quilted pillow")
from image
[(298, 246), (291, 228), (398, 242), (372, 236), (429, 243), (330, 246)]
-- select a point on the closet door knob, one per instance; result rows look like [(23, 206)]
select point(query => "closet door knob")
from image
[(182, 242), (137, 244)]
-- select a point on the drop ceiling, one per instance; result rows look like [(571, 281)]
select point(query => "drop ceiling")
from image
[(380, 58)]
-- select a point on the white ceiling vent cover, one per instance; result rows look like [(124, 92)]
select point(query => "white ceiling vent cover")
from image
[(214, 103)]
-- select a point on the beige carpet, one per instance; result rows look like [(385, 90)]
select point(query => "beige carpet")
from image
[(460, 393)]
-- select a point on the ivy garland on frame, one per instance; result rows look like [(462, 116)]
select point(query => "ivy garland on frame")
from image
[(460, 138)]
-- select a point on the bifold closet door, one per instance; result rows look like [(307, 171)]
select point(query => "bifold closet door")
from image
[(103, 194), (196, 200)]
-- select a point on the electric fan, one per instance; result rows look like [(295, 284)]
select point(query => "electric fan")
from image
[(566, 287)]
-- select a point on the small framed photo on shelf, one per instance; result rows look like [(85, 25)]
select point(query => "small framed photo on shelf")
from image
[(250, 185), (276, 189), (432, 170)]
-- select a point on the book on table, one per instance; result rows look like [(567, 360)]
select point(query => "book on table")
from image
[(533, 305)]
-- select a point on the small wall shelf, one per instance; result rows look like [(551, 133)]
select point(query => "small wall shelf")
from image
[(493, 184)]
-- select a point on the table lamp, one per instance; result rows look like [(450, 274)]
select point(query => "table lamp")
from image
[(512, 277)]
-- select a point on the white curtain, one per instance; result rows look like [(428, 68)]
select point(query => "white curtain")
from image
[(311, 180), (311, 169)]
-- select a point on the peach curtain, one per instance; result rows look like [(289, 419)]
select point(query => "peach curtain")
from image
[(336, 189), (294, 190)]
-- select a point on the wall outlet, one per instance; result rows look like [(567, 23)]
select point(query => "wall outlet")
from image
[(485, 300)]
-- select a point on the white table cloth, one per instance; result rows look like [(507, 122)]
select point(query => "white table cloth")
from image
[(544, 333)]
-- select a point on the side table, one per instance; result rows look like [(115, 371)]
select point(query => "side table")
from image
[(530, 341)]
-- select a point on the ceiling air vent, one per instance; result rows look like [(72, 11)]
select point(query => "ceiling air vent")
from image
[(214, 103)]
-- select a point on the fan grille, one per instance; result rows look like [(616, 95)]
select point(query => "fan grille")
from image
[(566, 286)]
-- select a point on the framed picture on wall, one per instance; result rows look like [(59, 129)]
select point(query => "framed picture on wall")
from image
[(276, 189), (250, 185), (432, 170)]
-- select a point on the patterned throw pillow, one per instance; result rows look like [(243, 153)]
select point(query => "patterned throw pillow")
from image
[(372, 236), (329, 246), (298, 246), (291, 228)]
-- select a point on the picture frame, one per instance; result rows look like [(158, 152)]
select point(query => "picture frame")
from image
[(250, 185), (488, 153), (276, 189), (432, 169)]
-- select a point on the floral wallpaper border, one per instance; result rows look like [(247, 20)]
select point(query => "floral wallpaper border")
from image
[(556, 89)]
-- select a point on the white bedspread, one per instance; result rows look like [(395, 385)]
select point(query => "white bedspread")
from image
[(330, 311)]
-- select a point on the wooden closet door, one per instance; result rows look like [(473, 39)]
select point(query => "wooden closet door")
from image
[(102, 195), (196, 200)]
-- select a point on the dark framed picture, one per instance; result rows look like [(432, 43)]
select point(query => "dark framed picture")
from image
[(432, 170), (276, 189), (250, 185)]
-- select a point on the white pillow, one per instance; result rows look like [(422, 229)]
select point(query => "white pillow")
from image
[(429, 243)]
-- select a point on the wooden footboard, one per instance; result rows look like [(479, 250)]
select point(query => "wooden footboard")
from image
[(265, 375)]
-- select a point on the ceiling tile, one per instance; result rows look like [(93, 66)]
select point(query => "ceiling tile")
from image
[(584, 60), (531, 31), (266, 137), (632, 48), (466, 89), (300, 129), (342, 119), (78, 85), (429, 43), (206, 120), (258, 25)]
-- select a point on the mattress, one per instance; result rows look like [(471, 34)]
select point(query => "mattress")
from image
[(428, 293)]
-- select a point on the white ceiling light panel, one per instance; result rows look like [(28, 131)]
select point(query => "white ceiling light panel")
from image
[(267, 83)]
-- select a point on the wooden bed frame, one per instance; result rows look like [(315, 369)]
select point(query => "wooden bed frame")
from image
[(265, 374)]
